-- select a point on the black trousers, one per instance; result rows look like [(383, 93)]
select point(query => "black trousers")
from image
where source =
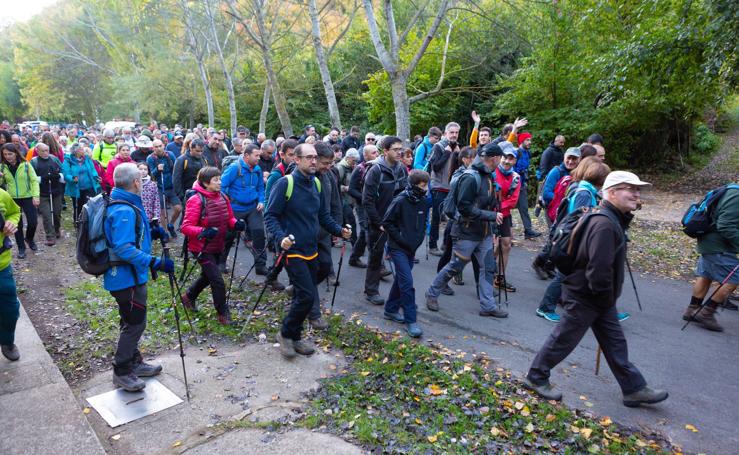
[(78, 202), (376, 245), (447, 255), (577, 318), (132, 310), (210, 275), (361, 244), (303, 275), (30, 213)]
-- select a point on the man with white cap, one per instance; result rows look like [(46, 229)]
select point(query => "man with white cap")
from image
[(589, 295)]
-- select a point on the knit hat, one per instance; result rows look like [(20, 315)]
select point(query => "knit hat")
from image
[(523, 136)]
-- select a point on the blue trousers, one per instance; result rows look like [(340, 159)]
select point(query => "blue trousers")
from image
[(402, 292), (552, 294), (9, 306)]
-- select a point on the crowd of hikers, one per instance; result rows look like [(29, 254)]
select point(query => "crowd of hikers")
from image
[(290, 200)]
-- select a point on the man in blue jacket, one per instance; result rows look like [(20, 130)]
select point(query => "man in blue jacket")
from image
[(127, 230), (243, 183), (296, 208), (522, 168), (423, 152)]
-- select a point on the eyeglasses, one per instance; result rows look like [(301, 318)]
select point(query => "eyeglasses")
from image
[(396, 149), (309, 157), (370, 139)]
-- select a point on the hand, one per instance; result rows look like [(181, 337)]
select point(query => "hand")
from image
[(76, 179), (344, 188), (208, 233), (382, 229), (160, 167), (158, 233), (499, 218), (260, 207), (475, 117), (166, 265), (240, 225), (9, 228), (286, 243), (520, 122), (36, 202), (346, 233)]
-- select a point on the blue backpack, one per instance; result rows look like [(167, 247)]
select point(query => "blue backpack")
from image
[(698, 219)]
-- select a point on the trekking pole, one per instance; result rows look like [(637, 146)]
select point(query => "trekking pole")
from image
[(501, 268), (189, 272), (338, 271), (636, 293), (162, 199), (711, 296), (241, 283), (51, 202), (172, 283), (264, 288), (597, 360), (428, 233), (233, 267)]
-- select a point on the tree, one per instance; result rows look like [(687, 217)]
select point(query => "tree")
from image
[(215, 41), (199, 50)]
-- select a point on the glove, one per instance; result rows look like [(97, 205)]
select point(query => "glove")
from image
[(166, 265), (240, 225), (157, 233), (208, 233)]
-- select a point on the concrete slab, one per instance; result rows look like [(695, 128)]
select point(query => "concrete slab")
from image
[(40, 413), (301, 442)]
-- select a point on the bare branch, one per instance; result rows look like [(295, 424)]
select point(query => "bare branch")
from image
[(429, 36), (385, 58), (440, 82), (414, 19), (392, 31), (343, 32)]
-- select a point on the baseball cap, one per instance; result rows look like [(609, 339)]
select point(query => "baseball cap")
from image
[(490, 150), (573, 151), (619, 177), (507, 148)]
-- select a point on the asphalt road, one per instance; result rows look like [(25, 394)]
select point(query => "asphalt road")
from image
[(698, 368)]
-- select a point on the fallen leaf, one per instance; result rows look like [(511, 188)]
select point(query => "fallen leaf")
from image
[(519, 405), (586, 432), (605, 421), (364, 373), (588, 404), (494, 431), (529, 428), (86, 411), (418, 421), (525, 411), (641, 443), (550, 418), (275, 397), (583, 397), (432, 439), (332, 367), (116, 437), (691, 428), (595, 448), (177, 444)]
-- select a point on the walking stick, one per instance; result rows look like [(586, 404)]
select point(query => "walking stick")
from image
[(264, 288), (165, 253), (186, 276), (338, 271), (161, 197), (597, 360), (241, 283), (501, 272), (51, 203), (709, 298), (233, 267), (638, 301), (428, 233)]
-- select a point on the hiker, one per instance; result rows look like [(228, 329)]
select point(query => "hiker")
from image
[(149, 193), (10, 215), (477, 221), (718, 251), (144, 148), (523, 159), (81, 177), (20, 181), (107, 149), (300, 215), (589, 296), (186, 168), (206, 228), (382, 183), (356, 186), (404, 223), (175, 146), (351, 141), (508, 184), (266, 161), (423, 152), (127, 231), (369, 139), (161, 168), (552, 156), (330, 192), (343, 171), (550, 194), (443, 156), (123, 155), (51, 189), (214, 152)]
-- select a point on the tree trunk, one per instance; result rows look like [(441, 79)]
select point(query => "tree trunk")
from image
[(224, 68), (328, 85), (265, 109), (402, 107), (208, 93)]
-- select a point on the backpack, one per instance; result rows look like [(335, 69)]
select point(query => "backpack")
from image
[(449, 206), (560, 191), (93, 249), (698, 219), (566, 237), (291, 184)]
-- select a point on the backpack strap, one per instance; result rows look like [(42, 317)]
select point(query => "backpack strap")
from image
[(291, 184)]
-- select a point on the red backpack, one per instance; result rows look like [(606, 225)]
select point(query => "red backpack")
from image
[(560, 191)]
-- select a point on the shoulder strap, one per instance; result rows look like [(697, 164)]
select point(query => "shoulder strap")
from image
[(184, 166), (203, 204), (291, 185)]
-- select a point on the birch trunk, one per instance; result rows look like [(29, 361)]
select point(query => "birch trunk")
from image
[(328, 85)]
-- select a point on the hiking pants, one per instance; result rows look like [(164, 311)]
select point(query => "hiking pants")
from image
[(552, 294), (349, 219), (577, 318), (51, 227), (523, 208), (9, 306), (446, 256), (436, 201), (78, 202), (359, 247), (132, 310), (210, 275), (31, 215), (402, 292), (325, 269), (376, 243), (303, 274)]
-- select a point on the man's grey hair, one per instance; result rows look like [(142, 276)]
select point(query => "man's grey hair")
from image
[(236, 141), (353, 153), (267, 144), (451, 125), (125, 174)]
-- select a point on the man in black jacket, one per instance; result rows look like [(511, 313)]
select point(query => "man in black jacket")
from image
[(351, 141), (187, 166), (589, 296), (552, 156), (383, 182), (356, 185), (48, 169)]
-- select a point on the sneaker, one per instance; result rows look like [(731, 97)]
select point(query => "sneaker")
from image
[(375, 299), (286, 346), (623, 316), (531, 235), (146, 370), (11, 352), (507, 286), (413, 329), (730, 306), (129, 382), (646, 395), (545, 391), (357, 263), (22, 254), (49, 242), (446, 290), (435, 252), (261, 270), (32, 245), (496, 313), (302, 347), (385, 272), (225, 318), (190, 305), (276, 285), (551, 317), (432, 303), (319, 324), (396, 317), (172, 230), (458, 280)]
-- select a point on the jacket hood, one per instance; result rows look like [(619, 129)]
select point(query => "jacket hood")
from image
[(199, 188)]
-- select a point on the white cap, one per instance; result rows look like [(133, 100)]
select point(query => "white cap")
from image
[(618, 177)]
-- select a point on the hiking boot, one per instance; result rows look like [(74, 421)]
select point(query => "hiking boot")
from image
[(432, 303), (128, 382), (446, 290), (286, 347), (261, 270), (146, 370), (302, 347), (357, 263), (49, 242), (32, 245), (375, 299), (319, 324), (531, 235), (435, 252), (225, 318), (545, 391), (623, 316), (11, 352), (276, 285), (504, 285), (690, 312), (172, 231), (496, 313), (21, 253), (730, 306), (395, 317), (385, 272), (413, 329), (190, 305), (458, 280), (707, 319), (290, 290), (645, 396), (551, 316)]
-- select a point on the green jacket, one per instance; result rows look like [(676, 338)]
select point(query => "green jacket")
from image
[(10, 212), (106, 154), (25, 182), (724, 238)]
